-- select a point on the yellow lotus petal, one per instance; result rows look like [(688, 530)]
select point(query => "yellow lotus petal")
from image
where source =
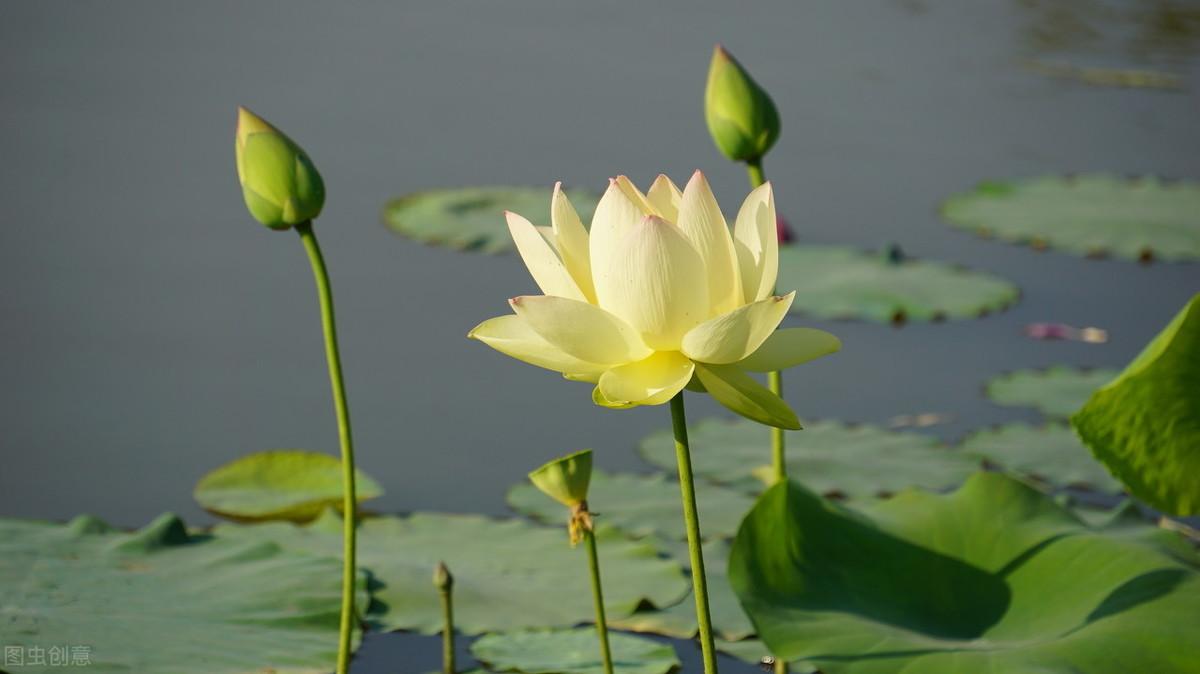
[(616, 215), (582, 330), (730, 337), (740, 393), (599, 399), (757, 244), (635, 195), (572, 240), (513, 337), (544, 265), (664, 196), (701, 222), (656, 283), (652, 381), (790, 347)]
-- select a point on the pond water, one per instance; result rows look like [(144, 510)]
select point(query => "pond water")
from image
[(152, 331)]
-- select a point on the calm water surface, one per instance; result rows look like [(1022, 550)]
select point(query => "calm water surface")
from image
[(151, 331)]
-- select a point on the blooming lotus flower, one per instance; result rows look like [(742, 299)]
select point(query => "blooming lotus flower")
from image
[(659, 294)]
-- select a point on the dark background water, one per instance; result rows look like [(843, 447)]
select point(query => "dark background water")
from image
[(151, 331)]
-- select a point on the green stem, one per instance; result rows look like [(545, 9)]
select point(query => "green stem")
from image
[(349, 500), (780, 666), (598, 599), (774, 379), (687, 490), (448, 665)]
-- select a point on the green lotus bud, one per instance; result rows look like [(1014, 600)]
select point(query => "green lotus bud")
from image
[(279, 182), (442, 579), (565, 480), (741, 117)]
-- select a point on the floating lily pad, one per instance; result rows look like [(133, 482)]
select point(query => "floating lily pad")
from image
[(829, 457), (843, 282), (284, 484), (641, 505), (1090, 215), (1050, 454), (472, 218), (508, 574), (1145, 424), (1056, 392), (160, 600), (572, 651), (995, 577), (729, 621)]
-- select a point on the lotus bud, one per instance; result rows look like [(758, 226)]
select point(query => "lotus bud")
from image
[(442, 579), (741, 117), (565, 479), (279, 182)]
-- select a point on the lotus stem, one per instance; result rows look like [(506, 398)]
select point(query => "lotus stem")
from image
[(342, 410), (589, 538), (687, 490), (445, 587)]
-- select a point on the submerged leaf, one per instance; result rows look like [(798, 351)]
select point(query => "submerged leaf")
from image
[(160, 600), (995, 577), (282, 484), (1145, 424), (572, 651)]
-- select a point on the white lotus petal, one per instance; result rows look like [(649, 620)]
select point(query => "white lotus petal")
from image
[(733, 336), (616, 215), (513, 337), (652, 381), (572, 241), (542, 261), (701, 222), (582, 330), (790, 347), (664, 196), (757, 244)]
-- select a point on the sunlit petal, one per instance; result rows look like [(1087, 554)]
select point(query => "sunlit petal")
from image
[(582, 330), (790, 347), (572, 239), (655, 281), (635, 195), (615, 216), (701, 222), (664, 196), (513, 337), (730, 337), (651, 381), (544, 265), (738, 392), (757, 244)]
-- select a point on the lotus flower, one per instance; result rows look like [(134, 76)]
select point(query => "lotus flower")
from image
[(659, 294)]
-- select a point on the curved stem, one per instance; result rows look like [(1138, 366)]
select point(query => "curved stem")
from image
[(349, 500), (687, 490), (774, 379), (589, 538)]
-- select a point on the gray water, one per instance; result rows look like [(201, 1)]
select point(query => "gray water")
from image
[(152, 331)]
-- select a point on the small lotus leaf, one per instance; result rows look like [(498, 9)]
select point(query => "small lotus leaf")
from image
[(282, 484), (642, 505), (828, 456), (163, 601), (843, 282), (1145, 424), (1090, 215), (472, 218), (1050, 454), (995, 577), (572, 651), (1056, 392), (508, 574)]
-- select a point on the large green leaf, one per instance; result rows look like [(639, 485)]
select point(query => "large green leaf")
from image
[(472, 218), (1087, 215), (1145, 424), (1056, 392), (1050, 454), (286, 484), (161, 601), (572, 651), (828, 456), (729, 621), (843, 282), (641, 505), (508, 574), (995, 577)]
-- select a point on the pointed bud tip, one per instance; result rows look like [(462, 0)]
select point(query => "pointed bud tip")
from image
[(442, 578)]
